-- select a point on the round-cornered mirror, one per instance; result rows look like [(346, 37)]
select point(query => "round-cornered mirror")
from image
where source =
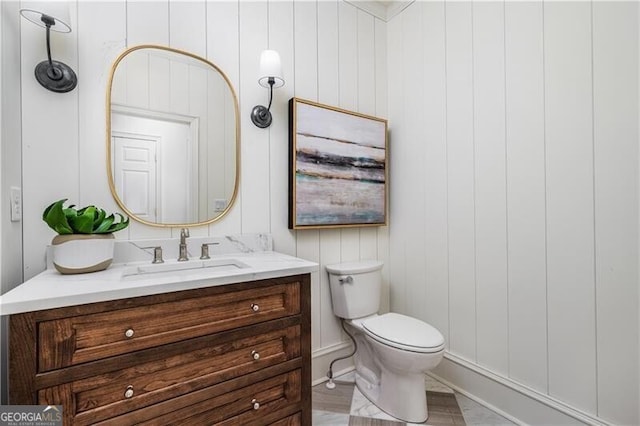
[(173, 137)]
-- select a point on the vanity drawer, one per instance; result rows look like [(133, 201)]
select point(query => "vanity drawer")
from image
[(79, 339), (264, 402), (100, 397)]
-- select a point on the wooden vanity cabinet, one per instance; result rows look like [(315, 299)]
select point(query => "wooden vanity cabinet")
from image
[(236, 354)]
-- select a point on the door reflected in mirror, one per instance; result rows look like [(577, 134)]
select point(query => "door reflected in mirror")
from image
[(173, 137)]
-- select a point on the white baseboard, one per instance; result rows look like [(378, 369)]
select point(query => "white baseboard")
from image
[(321, 358), (510, 399)]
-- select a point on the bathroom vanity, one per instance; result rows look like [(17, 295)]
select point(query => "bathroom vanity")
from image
[(195, 346)]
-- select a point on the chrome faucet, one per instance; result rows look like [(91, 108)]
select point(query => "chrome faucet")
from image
[(184, 234)]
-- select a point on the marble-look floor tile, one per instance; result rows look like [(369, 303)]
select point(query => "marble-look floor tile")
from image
[(327, 418), (367, 421), (362, 407), (477, 415), (349, 377), (444, 419), (346, 405), (336, 400), (433, 385)]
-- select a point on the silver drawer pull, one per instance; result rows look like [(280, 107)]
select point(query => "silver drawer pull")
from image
[(255, 403), (129, 333), (255, 355), (129, 392), (255, 307)]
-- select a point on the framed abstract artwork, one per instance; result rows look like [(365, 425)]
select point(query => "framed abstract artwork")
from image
[(337, 167)]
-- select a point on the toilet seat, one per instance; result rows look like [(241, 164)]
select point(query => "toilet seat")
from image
[(403, 332)]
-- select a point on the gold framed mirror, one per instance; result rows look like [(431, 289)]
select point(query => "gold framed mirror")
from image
[(173, 137)]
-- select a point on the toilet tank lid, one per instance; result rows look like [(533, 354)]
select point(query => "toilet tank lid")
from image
[(358, 267)]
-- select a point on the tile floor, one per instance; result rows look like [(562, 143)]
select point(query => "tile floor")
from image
[(346, 406)]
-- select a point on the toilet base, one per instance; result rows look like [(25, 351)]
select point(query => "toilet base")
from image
[(401, 396)]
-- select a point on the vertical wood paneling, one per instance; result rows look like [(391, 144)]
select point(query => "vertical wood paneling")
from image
[(328, 53), (348, 56), (308, 247), (541, 205), (380, 53), (159, 81), (281, 39), (11, 146), (526, 194), (50, 139), (188, 26), (328, 93), (188, 31), (141, 29), (413, 162), (223, 49), (179, 87), (461, 196), (348, 97), (490, 179), (306, 87), (331, 52), (305, 40), (615, 85), (368, 244), (366, 63), (569, 159), (435, 168), (398, 223), (256, 215), (98, 24), (330, 252)]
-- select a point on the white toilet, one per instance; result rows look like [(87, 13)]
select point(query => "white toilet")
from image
[(393, 351)]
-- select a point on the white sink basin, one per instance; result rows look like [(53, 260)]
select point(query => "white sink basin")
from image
[(209, 264)]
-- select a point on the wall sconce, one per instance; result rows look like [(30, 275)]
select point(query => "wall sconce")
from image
[(271, 77), (54, 16)]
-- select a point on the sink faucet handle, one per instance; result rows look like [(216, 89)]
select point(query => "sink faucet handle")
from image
[(184, 233), (205, 250), (157, 255)]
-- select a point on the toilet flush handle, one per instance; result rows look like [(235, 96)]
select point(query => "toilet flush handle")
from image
[(348, 279)]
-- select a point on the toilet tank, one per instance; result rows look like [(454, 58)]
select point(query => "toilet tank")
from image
[(355, 288)]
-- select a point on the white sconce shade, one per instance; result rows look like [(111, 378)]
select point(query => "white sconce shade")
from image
[(270, 67), (270, 77), (58, 10)]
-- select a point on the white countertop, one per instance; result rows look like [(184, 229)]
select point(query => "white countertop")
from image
[(50, 289)]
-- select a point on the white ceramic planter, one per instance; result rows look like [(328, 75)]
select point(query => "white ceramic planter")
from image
[(82, 253)]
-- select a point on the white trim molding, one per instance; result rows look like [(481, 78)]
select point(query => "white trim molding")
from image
[(321, 358), (518, 403)]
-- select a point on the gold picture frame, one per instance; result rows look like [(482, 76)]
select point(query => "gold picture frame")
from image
[(337, 167)]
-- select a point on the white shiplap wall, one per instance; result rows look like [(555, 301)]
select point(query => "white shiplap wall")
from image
[(331, 52), (515, 194)]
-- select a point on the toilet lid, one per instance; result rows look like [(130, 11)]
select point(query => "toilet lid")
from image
[(403, 332)]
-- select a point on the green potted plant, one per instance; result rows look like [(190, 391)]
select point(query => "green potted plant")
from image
[(85, 238)]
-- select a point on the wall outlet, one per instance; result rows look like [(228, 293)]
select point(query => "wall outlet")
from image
[(219, 204), (15, 195)]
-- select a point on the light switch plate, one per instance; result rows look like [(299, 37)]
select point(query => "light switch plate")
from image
[(15, 195)]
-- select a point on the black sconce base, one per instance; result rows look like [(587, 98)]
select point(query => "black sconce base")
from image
[(260, 116), (57, 76)]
